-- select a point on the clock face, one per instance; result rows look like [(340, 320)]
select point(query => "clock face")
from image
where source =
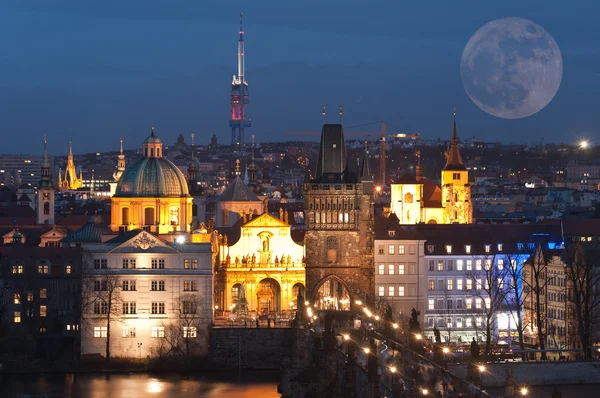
[(46, 196)]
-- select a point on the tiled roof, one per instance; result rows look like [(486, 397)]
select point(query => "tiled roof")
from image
[(237, 191)]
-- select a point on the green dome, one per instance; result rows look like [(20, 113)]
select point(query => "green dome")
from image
[(152, 177), (152, 139)]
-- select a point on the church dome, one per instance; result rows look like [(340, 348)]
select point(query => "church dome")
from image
[(152, 139), (152, 177)]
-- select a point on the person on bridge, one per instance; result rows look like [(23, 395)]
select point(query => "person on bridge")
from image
[(474, 349)]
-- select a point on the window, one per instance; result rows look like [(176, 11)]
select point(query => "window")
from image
[(189, 332), (459, 304), (400, 290), (189, 307), (391, 249), (456, 176), (478, 303), (158, 308), (468, 322), (459, 284), (158, 263), (17, 269), (441, 284), (381, 269), (430, 304), (43, 293), (100, 307), (128, 331), (440, 266), (391, 232), (68, 269), (186, 263), (125, 263), (430, 322), (468, 249), (400, 249), (431, 265), (411, 249), (440, 304), (401, 269), (488, 264), (98, 286), (478, 285), (129, 285), (449, 303), (449, 322), (500, 264), (450, 284), (469, 283), (16, 298), (129, 308), (459, 265), (391, 268), (186, 286), (158, 331), (499, 247), (42, 311), (381, 291), (194, 264), (478, 265), (30, 296), (154, 263), (500, 283), (100, 331), (43, 268), (449, 249), (100, 263), (469, 303), (431, 284), (391, 291), (158, 286), (488, 303), (450, 265), (488, 248), (469, 265), (459, 323), (478, 322)]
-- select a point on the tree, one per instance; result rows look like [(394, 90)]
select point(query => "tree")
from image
[(101, 299), (516, 295), (490, 290), (581, 262)]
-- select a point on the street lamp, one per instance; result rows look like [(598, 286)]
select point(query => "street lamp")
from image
[(424, 391), (395, 325), (583, 144), (346, 337), (445, 350), (418, 336), (393, 369), (367, 350), (481, 368), (524, 391)]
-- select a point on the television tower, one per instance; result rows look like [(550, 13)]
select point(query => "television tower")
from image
[(239, 97)]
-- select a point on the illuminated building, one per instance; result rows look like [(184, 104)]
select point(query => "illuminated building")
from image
[(45, 193), (239, 97), (339, 222), (415, 199), (235, 201), (152, 194), (21, 169), (261, 263), (70, 181)]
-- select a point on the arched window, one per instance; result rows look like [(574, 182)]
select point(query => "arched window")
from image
[(125, 215), (174, 215), (149, 216), (46, 208)]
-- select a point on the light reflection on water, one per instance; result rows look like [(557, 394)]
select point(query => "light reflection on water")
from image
[(136, 385)]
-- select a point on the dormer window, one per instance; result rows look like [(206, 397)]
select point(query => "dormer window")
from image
[(449, 249), (391, 233), (520, 246), (499, 247), (468, 249), (488, 248), (430, 248)]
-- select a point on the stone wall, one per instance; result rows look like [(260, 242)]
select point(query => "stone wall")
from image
[(246, 348)]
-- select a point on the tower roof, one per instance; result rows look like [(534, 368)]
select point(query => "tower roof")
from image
[(365, 172), (237, 191), (454, 160), (332, 164)]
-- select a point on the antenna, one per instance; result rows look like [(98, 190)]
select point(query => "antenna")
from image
[(193, 145), (121, 142), (253, 147), (323, 113), (340, 114)]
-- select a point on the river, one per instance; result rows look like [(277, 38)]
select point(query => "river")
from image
[(128, 385)]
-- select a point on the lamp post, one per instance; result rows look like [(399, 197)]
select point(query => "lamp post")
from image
[(481, 369)]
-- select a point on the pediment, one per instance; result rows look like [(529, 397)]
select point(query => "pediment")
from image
[(265, 220), (55, 233), (144, 242)]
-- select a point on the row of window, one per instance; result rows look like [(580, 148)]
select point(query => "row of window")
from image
[(449, 304), (17, 296), (155, 285), (466, 265), (487, 248), (17, 314), (392, 269), (391, 249), (156, 331), (391, 291), (449, 284), (459, 323), (42, 268), (155, 263)]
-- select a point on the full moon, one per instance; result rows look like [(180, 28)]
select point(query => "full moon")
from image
[(511, 68)]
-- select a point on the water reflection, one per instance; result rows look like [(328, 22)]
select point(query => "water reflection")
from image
[(138, 385)]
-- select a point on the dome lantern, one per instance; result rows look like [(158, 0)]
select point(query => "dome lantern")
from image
[(152, 146)]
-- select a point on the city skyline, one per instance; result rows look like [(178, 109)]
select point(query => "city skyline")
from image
[(132, 66)]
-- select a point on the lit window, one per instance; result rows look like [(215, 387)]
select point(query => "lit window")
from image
[(401, 269), (186, 286), (68, 269), (391, 269), (195, 286), (189, 332), (488, 264), (17, 269), (381, 269), (469, 283), (400, 290), (17, 317), (381, 291), (448, 249), (488, 303), (459, 284), (469, 265), (500, 283), (468, 249), (128, 331), (194, 264), (158, 331), (16, 298), (42, 329), (391, 249), (478, 265), (459, 265), (100, 331), (488, 248), (500, 264), (391, 291), (42, 311), (186, 263), (478, 322), (450, 284), (431, 284), (400, 249), (391, 233), (499, 247), (440, 265), (469, 303), (459, 323), (478, 303), (431, 304), (478, 284), (43, 268), (43, 293), (468, 322), (68, 327)]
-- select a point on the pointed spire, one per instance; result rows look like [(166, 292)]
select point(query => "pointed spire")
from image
[(193, 154), (365, 172), (241, 29), (70, 149), (121, 142), (454, 160), (45, 144), (419, 168)]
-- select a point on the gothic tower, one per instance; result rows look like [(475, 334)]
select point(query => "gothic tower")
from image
[(339, 220), (456, 191), (45, 193), (120, 169), (71, 181)]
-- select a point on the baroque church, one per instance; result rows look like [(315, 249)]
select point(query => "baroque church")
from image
[(415, 199)]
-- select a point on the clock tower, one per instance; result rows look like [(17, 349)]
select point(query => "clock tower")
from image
[(45, 193)]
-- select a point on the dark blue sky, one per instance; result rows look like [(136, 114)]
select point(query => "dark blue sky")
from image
[(92, 71)]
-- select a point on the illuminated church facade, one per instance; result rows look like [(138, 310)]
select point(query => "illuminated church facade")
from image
[(415, 199)]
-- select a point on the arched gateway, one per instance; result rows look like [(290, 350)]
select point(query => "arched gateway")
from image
[(332, 294)]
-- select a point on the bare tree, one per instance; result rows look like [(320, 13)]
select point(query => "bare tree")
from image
[(101, 299), (516, 296), (581, 261), (488, 286)]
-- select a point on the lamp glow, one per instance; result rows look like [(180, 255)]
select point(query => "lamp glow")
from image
[(524, 391), (481, 368), (180, 239)]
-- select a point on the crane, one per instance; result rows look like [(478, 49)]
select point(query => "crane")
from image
[(383, 135)]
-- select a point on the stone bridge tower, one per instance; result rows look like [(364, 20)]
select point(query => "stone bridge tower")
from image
[(339, 219)]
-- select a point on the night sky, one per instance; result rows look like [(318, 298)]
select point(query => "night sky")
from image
[(93, 71)]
